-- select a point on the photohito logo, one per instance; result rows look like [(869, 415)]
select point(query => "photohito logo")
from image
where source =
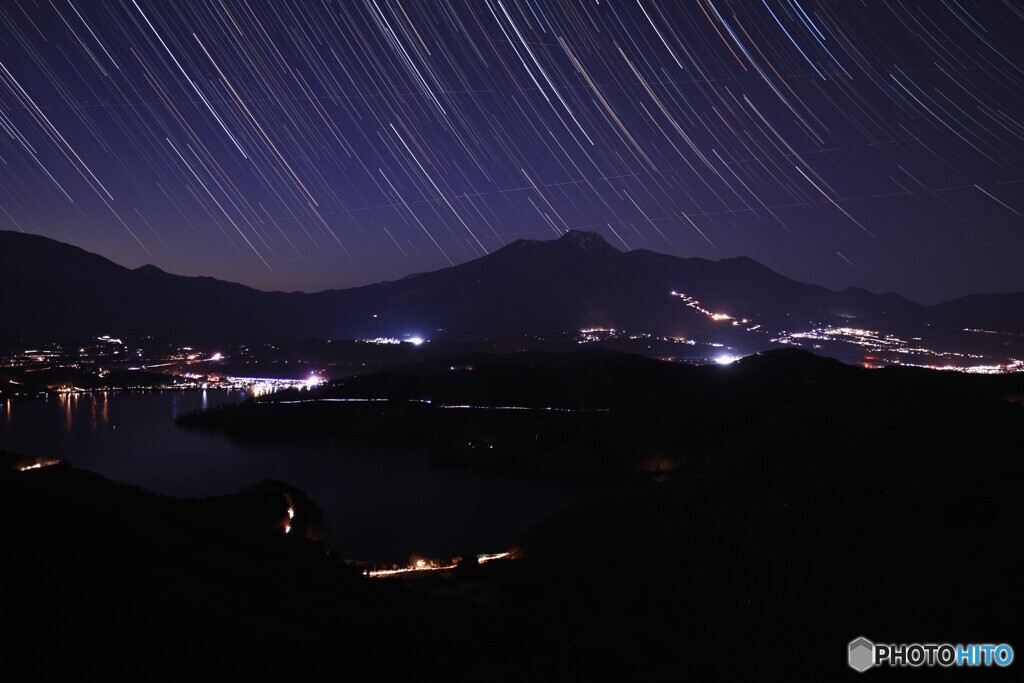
[(862, 654)]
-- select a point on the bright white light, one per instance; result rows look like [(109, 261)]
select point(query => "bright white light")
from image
[(415, 341), (726, 360), (217, 356)]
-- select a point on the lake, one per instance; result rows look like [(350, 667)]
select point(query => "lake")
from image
[(380, 502)]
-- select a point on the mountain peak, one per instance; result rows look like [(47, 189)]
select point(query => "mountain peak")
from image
[(586, 240), (150, 269)]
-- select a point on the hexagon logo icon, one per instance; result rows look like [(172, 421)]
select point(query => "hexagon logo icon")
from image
[(861, 654)]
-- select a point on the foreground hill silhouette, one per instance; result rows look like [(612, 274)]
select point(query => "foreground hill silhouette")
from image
[(526, 288), (815, 503), (108, 581)]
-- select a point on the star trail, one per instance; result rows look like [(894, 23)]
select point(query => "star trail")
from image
[(307, 144)]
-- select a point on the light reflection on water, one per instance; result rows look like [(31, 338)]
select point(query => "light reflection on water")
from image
[(380, 502)]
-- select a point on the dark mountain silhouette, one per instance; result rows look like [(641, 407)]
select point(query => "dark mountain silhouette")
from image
[(55, 289), (526, 288)]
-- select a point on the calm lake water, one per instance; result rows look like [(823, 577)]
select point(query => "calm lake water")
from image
[(380, 502)]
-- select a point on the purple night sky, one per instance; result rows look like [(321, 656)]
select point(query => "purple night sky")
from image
[(307, 144)]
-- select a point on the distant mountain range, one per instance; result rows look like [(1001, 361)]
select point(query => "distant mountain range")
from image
[(527, 288)]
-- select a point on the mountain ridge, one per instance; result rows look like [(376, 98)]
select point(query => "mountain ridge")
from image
[(528, 287)]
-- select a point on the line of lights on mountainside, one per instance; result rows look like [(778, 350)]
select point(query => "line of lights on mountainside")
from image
[(421, 565), (38, 464), (696, 305)]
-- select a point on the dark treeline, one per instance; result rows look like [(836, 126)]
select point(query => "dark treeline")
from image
[(590, 413)]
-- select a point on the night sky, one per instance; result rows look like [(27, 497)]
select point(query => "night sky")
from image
[(308, 144)]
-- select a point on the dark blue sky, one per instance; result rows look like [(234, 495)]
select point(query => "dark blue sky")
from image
[(317, 143)]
